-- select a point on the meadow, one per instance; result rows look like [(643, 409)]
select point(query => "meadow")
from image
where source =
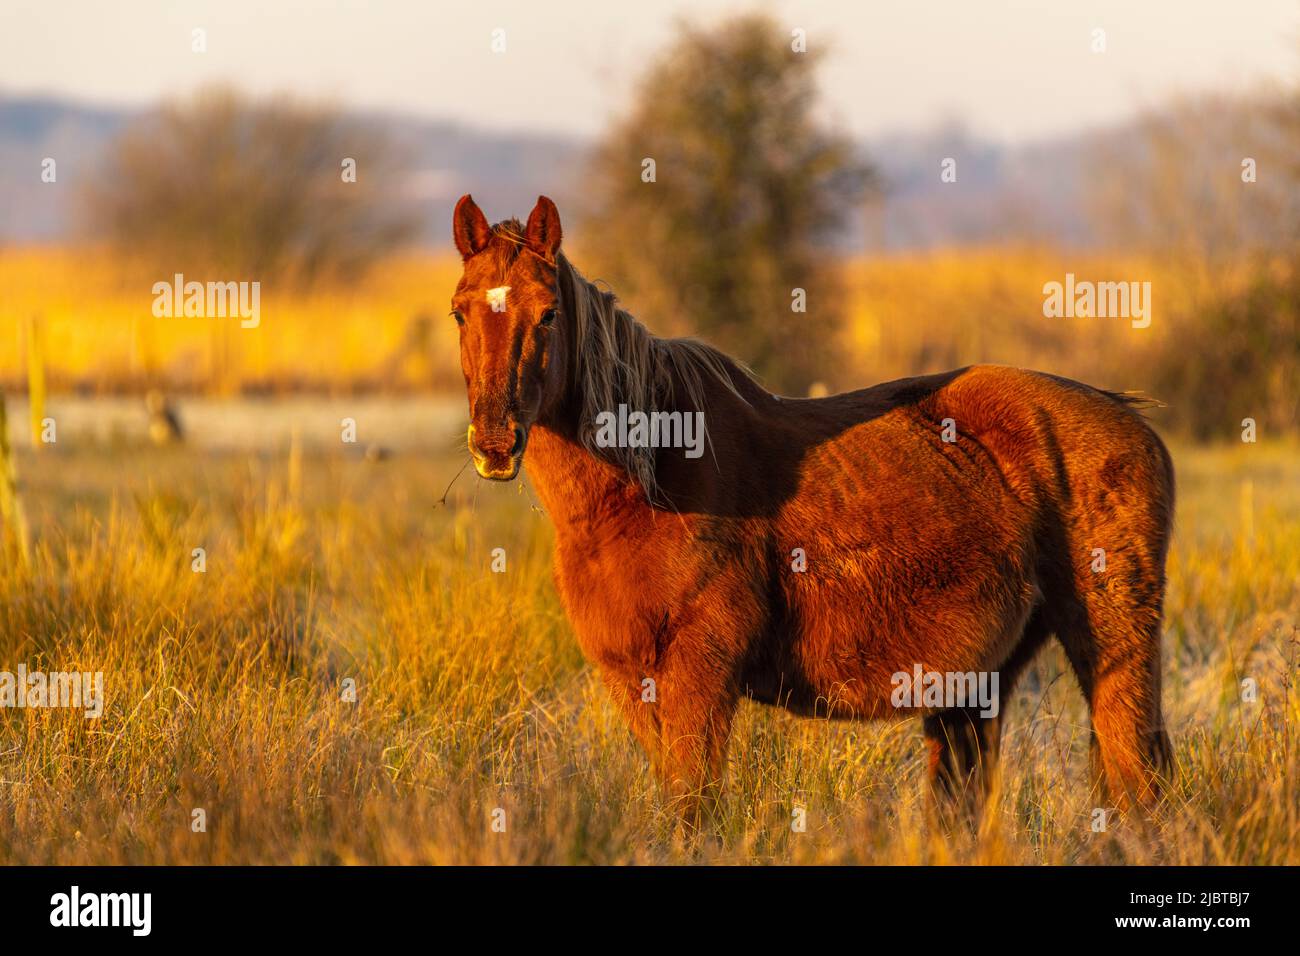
[(225, 690), (229, 691), (389, 331)]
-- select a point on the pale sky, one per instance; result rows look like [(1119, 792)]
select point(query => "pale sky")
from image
[(1010, 69)]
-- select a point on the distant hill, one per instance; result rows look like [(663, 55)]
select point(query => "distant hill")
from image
[(30, 130), (444, 160), (1002, 193)]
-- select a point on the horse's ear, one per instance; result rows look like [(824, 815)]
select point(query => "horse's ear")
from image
[(543, 230), (469, 227)]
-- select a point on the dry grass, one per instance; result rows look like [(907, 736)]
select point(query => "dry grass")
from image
[(906, 314), (223, 688), (99, 331)]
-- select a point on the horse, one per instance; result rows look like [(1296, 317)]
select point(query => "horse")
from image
[(820, 548)]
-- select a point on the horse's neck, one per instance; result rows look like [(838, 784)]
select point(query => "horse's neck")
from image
[(583, 493), (577, 489)]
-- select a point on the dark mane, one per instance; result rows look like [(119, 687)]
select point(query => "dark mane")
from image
[(617, 361)]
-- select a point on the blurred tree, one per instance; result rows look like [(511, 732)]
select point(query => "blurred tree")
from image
[(1237, 357), (253, 189), (1206, 180), (748, 186), (1212, 185)]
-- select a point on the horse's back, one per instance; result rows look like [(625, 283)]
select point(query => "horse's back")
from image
[(1046, 434), (936, 508)]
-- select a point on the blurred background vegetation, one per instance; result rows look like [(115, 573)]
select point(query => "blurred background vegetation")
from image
[(223, 185), (756, 193), (753, 191)]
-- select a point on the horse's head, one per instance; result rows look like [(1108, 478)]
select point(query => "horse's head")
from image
[(507, 307)]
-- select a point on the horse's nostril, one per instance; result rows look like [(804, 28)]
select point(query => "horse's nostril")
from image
[(494, 442)]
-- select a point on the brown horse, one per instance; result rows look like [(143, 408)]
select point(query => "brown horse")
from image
[(817, 549)]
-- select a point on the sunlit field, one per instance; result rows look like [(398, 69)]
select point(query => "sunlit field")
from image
[(98, 332), (389, 330), (225, 690)]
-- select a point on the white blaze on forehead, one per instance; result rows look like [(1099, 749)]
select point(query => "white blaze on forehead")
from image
[(497, 298)]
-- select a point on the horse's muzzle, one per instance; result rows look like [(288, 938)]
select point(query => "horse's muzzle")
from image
[(498, 453)]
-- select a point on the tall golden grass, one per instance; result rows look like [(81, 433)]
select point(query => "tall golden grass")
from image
[(906, 313), (99, 331), (224, 689)]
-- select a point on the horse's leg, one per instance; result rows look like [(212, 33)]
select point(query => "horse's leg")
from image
[(682, 719), (636, 701), (965, 746), (698, 700), (1115, 652), (1112, 626), (963, 752)]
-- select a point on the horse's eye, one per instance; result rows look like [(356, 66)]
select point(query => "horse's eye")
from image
[(548, 317), (455, 314)]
